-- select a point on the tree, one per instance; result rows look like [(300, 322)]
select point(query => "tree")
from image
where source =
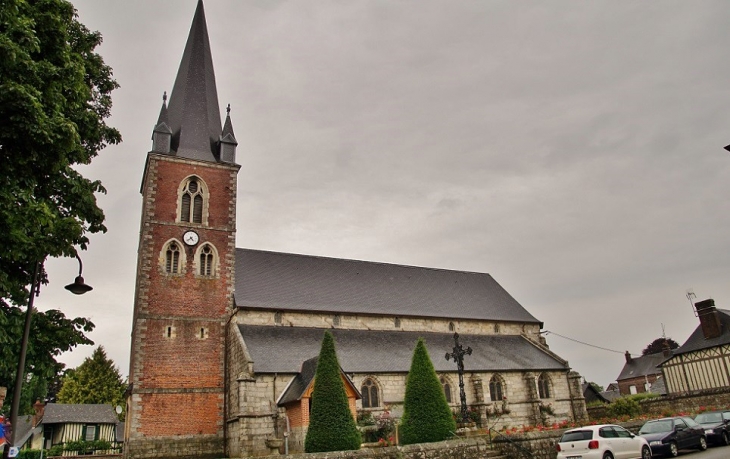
[(54, 96), (51, 334), (331, 424), (426, 414), (659, 345), (96, 380)]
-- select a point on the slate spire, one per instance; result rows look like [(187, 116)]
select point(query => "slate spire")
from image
[(193, 112), (162, 134)]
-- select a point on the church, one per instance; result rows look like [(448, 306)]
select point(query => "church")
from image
[(223, 338)]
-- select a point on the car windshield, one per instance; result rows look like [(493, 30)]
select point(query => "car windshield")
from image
[(708, 418), (656, 427), (577, 435)]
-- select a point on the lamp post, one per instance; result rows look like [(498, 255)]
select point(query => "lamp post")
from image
[(79, 288)]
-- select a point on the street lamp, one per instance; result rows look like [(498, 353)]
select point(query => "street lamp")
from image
[(79, 288)]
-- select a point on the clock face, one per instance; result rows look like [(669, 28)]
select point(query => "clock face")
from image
[(191, 237)]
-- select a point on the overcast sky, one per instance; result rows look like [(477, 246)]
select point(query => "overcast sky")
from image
[(573, 150)]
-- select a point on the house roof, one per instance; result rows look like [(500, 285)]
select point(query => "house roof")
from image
[(591, 394), (24, 430), (611, 394), (299, 384), (57, 413), (278, 349), (285, 281), (642, 366), (697, 341)]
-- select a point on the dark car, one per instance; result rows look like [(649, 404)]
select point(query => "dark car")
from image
[(668, 435), (716, 425)]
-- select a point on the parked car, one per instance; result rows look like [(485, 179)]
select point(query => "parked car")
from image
[(716, 425), (602, 442), (668, 435)]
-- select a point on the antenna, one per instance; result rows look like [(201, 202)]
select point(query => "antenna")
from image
[(690, 296)]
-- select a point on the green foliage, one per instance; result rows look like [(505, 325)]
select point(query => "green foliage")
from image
[(624, 406), (51, 334), (54, 96), (96, 380), (659, 345), (426, 416), (80, 447), (331, 424), (29, 454)]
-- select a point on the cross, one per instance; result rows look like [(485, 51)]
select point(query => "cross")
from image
[(458, 356)]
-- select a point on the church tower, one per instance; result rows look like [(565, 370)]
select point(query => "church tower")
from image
[(185, 269)]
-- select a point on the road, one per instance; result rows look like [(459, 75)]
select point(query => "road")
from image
[(713, 452)]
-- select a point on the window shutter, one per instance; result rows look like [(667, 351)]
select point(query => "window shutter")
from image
[(185, 208), (198, 209)]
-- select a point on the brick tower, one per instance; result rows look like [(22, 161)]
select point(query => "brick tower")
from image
[(185, 269)]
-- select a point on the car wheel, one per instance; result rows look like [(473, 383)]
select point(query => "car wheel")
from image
[(725, 439), (703, 443), (645, 452), (673, 451), (607, 455)]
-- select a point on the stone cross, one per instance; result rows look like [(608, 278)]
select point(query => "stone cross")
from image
[(458, 356)]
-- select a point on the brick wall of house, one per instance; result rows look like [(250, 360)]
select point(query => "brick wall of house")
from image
[(624, 386), (178, 338)]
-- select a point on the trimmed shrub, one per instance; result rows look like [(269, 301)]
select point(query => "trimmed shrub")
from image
[(426, 414), (331, 424), (624, 406)]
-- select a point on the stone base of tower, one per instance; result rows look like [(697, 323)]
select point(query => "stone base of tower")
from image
[(191, 446)]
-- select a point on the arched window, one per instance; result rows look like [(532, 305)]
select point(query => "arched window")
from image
[(192, 200), (496, 389), (205, 266), (369, 391), (447, 388), (451, 327), (277, 317), (396, 322), (336, 320), (172, 258), (543, 386)]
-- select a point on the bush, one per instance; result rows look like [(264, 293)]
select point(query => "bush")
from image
[(624, 406), (331, 424), (426, 414), (29, 454)]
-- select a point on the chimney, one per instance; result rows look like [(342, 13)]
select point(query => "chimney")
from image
[(39, 408), (709, 319), (628, 357)]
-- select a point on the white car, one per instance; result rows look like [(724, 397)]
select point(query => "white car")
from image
[(606, 441)]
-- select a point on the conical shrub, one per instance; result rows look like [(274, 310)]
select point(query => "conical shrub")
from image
[(331, 424), (426, 414)]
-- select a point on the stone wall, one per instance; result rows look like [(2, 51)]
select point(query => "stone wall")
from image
[(691, 403), (467, 448), (364, 322)]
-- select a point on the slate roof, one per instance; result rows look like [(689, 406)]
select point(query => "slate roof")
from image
[(697, 341), (57, 413), (24, 430), (592, 395), (642, 366), (279, 349), (303, 379), (285, 281), (193, 113)]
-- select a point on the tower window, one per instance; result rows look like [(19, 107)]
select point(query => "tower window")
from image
[(203, 333), (172, 258), (369, 391), (192, 200), (169, 332), (206, 261)]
